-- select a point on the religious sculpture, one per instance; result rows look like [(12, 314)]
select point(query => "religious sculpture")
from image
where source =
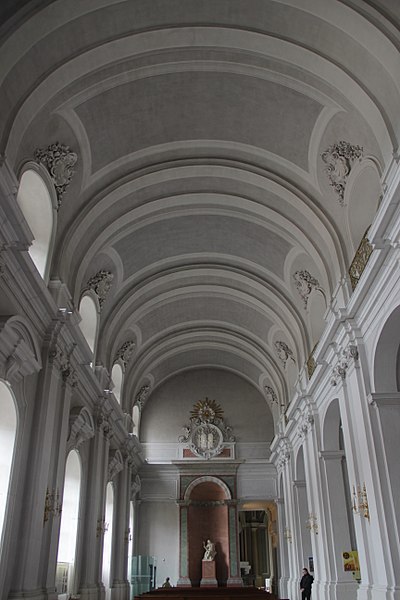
[(209, 550)]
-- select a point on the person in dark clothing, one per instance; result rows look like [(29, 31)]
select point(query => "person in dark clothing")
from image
[(305, 585)]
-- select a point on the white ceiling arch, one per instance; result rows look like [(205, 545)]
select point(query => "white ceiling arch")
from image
[(199, 183)]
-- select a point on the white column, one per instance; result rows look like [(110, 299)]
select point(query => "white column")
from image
[(91, 551), (290, 519), (304, 548), (316, 509), (120, 585), (376, 563), (336, 524), (283, 550), (34, 568), (385, 419)]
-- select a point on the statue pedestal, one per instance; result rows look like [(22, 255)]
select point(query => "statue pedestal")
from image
[(208, 578)]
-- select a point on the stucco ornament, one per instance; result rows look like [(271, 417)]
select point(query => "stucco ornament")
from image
[(142, 395), (340, 158), (207, 432), (59, 161), (284, 450), (305, 284), (125, 352), (284, 352), (339, 372), (271, 393), (100, 283)]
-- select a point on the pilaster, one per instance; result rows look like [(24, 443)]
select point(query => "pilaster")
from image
[(34, 567), (91, 585)]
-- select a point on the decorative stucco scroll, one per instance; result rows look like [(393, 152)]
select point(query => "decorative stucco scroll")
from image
[(59, 161), (284, 451), (81, 427), (305, 284), (339, 372), (100, 283), (340, 158), (271, 393), (284, 352), (142, 395), (62, 360), (305, 424), (115, 465), (136, 485), (125, 352)]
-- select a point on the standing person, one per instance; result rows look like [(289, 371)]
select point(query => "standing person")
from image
[(305, 585)]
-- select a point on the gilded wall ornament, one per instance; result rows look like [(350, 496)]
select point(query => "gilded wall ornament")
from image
[(125, 352), (340, 158), (59, 161), (100, 283), (360, 261), (284, 352), (207, 410), (305, 284)]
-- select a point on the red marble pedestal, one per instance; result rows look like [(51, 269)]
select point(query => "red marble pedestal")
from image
[(208, 578)]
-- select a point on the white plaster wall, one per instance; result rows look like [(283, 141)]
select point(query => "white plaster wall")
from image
[(168, 409), (159, 536)]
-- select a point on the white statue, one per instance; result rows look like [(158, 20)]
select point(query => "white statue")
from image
[(209, 550)]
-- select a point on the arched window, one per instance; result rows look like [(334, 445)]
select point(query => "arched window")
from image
[(69, 526), (106, 577), (8, 429), (117, 376), (35, 201), (136, 419), (90, 317)]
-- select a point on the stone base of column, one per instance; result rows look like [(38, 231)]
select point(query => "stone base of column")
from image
[(92, 592), (208, 578), (234, 582), (120, 590), (184, 582), (36, 594)]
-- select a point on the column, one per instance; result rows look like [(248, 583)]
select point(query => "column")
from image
[(91, 586), (56, 482), (385, 417), (310, 432), (234, 578), (283, 550), (120, 585), (290, 517), (183, 580), (39, 514), (304, 548), (376, 563)]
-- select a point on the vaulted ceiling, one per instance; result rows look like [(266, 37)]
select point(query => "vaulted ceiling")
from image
[(199, 128)]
